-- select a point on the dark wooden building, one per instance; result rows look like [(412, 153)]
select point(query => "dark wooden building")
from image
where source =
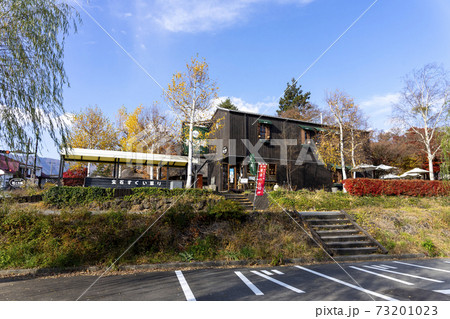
[(286, 145)]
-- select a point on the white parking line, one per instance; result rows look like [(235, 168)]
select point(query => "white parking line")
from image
[(348, 285), (278, 282), (277, 272), (267, 272), (408, 275), (184, 285), (377, 267), (249, 284), (380, 275), (387, 266), (446, 292), (413, 265), (448, 262)]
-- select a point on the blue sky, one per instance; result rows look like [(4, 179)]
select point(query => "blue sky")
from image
[(253, 48)]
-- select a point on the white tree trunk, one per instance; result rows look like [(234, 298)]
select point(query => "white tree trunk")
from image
[(353, 153), (190, 148), (430, 166), (341, 146)]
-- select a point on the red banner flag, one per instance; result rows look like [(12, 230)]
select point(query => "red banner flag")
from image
[(261, 179)]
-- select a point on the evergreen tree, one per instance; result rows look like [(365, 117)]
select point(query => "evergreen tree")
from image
[(294, 98), (227, 104)]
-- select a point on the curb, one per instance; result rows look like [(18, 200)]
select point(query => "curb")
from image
[(34, 272)]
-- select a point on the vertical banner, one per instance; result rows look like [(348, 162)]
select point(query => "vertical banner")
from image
[(261, 179)]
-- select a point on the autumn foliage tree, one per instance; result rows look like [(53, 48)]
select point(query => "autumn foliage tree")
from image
[(349, 122), (423, 107), (145, 130), (92, 129), (190, 96)]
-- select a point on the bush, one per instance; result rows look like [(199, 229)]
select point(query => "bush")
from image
[(226, 210), (68, 196), (75, 176), (376, 187), (141, 192)]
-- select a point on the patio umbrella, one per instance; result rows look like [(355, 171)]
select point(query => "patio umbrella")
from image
[(363, 168), (410, 175), (417, 171), (383, 167), (390, 176)]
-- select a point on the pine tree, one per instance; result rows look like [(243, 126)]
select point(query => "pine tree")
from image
[(294, 98), (227, 104)]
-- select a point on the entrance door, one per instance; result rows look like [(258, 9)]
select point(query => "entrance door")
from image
[(224, 177), (232, 177)]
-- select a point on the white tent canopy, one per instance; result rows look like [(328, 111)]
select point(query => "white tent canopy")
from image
[(363, 168)]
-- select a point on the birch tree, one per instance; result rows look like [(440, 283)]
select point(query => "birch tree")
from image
[(423, 106), (342, 109), (357, 134), (190, 95)]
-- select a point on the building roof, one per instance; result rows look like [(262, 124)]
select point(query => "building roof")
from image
[(103, 156), (264, 116), (8, 165)]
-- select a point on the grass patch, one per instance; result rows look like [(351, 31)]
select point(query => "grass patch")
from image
[(219, 230)]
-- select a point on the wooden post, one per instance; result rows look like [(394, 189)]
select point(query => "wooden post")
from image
[(61, 169)]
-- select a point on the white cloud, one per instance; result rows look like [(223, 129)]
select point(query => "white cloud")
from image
[(380, 104), (379, 109), (259, 107), (200, 15)]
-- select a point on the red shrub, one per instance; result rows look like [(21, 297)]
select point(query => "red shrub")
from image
[(366, 186), (74, 176)]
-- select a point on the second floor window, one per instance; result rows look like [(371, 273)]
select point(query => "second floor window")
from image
[(264, 131)]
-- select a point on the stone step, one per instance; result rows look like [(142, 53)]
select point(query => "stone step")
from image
[(324, 216), (338, 232), (348, 244), (333, 221), (331, 213), (337, 227), (327, 239), (355, 251)]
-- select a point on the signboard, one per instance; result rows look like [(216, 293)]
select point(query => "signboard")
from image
[(200, 145), (261, 179), (17, 182), (125, 183), (244, 180)]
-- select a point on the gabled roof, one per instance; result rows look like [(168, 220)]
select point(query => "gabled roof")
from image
[(264, 116)]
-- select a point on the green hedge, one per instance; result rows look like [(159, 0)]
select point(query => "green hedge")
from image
[(68, 196)]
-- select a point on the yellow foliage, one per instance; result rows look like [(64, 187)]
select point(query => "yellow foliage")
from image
[(92, 130)]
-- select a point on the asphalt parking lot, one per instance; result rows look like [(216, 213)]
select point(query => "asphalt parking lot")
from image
[(421, 280)]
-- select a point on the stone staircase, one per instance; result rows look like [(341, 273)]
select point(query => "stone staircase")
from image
[(339, 234), (239, 198)]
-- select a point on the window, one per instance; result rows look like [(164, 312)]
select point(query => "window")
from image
[(272, 169), (264, 131)]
